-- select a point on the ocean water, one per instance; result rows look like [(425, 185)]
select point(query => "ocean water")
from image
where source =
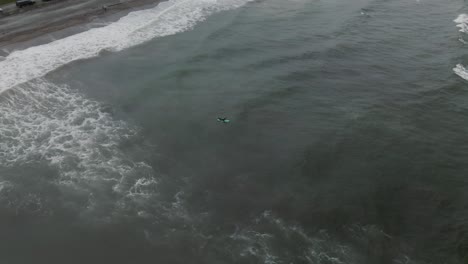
[(347, 141)]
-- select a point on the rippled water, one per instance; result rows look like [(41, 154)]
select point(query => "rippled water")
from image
[(347, 141)]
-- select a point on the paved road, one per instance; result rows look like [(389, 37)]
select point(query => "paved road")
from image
[(9, 9)]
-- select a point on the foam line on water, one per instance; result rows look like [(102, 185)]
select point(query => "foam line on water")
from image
[(462, 22), (461, 71), (167, 18)]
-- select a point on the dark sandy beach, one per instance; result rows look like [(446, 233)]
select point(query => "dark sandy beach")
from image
[(41, 24)]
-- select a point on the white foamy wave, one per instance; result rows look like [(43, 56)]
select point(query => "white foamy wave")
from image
[(462, 22), (50, 124), (461, 71), (263, 239), (167, 18), (143, 186)]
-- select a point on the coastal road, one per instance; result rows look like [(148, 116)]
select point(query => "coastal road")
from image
[(11, 8)]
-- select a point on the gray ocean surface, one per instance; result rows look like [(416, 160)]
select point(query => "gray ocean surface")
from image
[(347, 142)]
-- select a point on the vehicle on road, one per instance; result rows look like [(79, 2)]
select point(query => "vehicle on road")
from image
[(21, 3)]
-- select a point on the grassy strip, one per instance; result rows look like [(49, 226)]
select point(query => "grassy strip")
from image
[(2, 2)]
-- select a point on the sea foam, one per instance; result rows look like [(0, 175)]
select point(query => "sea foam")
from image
[(295, 243), (49, 124), (461, 71), (462, 23)]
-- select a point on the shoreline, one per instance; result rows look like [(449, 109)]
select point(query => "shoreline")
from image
[(36, 27)]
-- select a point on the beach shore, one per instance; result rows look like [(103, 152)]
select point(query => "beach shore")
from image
[(44, 23)]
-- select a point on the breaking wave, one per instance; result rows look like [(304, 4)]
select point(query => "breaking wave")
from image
[(167, 18), (462, 23), (461, 71), (44, 123)]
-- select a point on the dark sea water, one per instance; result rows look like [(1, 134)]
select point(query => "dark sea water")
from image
[(347, 142)]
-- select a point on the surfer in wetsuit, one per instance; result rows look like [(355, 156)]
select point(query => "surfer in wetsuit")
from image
[(223, 120)]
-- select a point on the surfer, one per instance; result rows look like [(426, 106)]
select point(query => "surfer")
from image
[(223, 120)]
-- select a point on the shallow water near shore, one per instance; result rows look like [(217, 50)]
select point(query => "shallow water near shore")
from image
[(347, 141)]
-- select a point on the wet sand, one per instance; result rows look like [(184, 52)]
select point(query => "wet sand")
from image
[(43, 23)]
